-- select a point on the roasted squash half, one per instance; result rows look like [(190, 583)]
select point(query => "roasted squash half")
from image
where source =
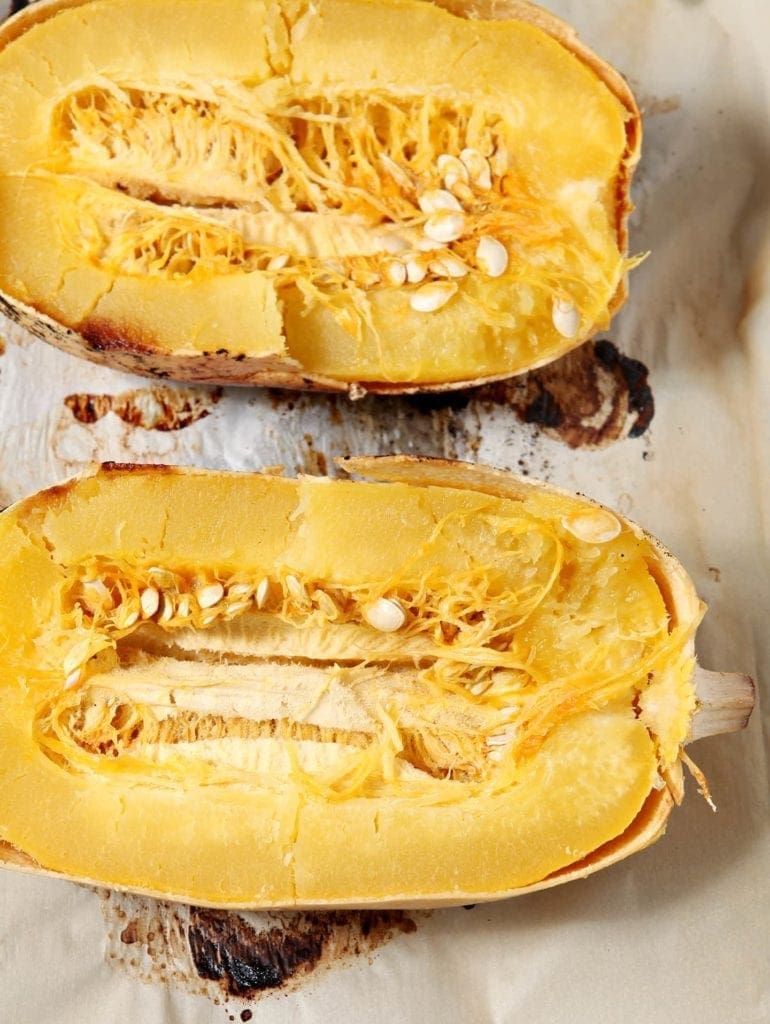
[(391, 194), (244, 690)]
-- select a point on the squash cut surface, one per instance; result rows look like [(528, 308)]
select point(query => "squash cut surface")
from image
[(202, 698), (178, 182)]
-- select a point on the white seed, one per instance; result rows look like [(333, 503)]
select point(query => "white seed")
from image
[(394, 244), (167, 608), (208, 617), (477, 167), (452, 170), (448, 265), (240, 590), (499, 159), (416, 269), (438, 199), (96, 594), (162, 577), (75, 657), (210, 595), (126, 615), (432, 296), (394, 272), (491, 256), (73, 679), (566, 318), (278, 262), (183, 608), (295, 588), (594, 526), (478, 688), (423, 244), (149, 599), (499, 739), (263, 592), (495, 755), (237, 608), (386, 615), (325, 604), (445, 226)]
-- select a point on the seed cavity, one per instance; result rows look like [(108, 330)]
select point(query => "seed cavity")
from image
[(491, 256), (566, 319), (433, 296), (385, 615)]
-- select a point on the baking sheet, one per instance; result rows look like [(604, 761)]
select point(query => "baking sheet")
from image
[(679, 932)]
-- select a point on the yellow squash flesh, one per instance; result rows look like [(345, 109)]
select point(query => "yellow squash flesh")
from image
[(236, 193), (245, 690)]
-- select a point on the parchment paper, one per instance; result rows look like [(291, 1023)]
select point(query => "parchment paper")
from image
[(680, 932)]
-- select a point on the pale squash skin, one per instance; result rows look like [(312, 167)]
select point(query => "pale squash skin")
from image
[(134, 351), (649, 821)]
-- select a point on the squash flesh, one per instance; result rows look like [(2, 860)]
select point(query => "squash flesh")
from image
[(478, 749), (171, 165)]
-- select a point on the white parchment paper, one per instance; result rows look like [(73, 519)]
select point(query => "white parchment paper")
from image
[(680, 932)]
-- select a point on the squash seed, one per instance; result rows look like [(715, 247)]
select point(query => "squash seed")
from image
[(566, 318), (385, 615), (595, 526), (278, 262), (448, 265), (394, 272), (438, 199), (149, 600), (477, 167), (432, 296), (73, 679), (416, 269), (445, 226), (76, 656), (210, 595), (263, 592), (491, 256), (166, 608), (295, 588), (452, 170)]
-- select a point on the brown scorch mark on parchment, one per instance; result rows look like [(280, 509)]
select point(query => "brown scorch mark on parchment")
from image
[(153, 408), (589, 398), (223, 954)]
